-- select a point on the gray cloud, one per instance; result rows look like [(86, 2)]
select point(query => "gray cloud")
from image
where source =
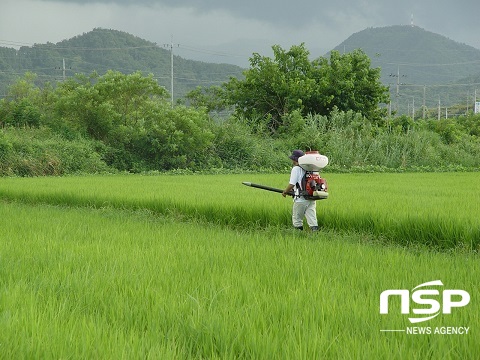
[(455, 18), (299, 12), (237, 27)]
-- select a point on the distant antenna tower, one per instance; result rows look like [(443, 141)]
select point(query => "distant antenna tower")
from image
[(411, 21)]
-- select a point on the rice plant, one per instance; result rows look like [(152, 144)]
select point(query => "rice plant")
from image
[(114, 283), (440, 210)]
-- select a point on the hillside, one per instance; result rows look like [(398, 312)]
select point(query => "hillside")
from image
[(101, 50), (419, 66), (417, 59)]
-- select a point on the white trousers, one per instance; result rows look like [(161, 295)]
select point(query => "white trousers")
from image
[(307, 209)]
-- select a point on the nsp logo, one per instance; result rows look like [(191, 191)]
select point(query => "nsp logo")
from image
[(432, 307)]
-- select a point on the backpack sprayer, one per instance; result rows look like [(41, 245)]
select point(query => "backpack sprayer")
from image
[(313, 186)]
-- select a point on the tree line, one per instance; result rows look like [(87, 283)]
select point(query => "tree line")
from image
[(125, 122)]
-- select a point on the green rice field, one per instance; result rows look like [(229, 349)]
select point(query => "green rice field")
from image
[(202, 267)]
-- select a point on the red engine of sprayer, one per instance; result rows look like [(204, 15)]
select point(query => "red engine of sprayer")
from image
[(315, 183)]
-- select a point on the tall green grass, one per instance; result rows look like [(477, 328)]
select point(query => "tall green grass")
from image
[(440, 210), (109, 283)]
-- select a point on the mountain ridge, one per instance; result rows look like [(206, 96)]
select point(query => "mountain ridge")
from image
[(419, 66), (414, 62), (101, 50), (424, 57)]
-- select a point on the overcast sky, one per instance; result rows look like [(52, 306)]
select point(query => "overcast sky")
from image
[(231, 30)]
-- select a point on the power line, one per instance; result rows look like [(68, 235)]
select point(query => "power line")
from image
[(211, 52), (409, 50), (435, 64)]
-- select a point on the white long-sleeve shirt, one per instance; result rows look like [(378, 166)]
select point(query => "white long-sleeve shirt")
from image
[(296, 175)]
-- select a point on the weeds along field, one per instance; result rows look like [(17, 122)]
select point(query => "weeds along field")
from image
[(439, 210), (123, 283)]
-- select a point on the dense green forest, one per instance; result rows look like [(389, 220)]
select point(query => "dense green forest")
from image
[(125, 122), (419, 67), (116, 114)]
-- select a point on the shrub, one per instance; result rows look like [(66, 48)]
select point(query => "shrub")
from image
[(38, 152)]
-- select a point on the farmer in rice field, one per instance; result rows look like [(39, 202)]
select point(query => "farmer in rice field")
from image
[(301, 206)]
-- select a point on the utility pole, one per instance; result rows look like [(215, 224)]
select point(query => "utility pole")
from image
[(63, 68), (467, 101), (413, 108), (475, 103), (424, 102), (438, 107), (398, 86), (171, 68)]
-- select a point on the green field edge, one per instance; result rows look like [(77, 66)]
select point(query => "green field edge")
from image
[(428, 233)]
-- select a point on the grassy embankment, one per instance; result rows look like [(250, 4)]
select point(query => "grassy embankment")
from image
[(130, 279)]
